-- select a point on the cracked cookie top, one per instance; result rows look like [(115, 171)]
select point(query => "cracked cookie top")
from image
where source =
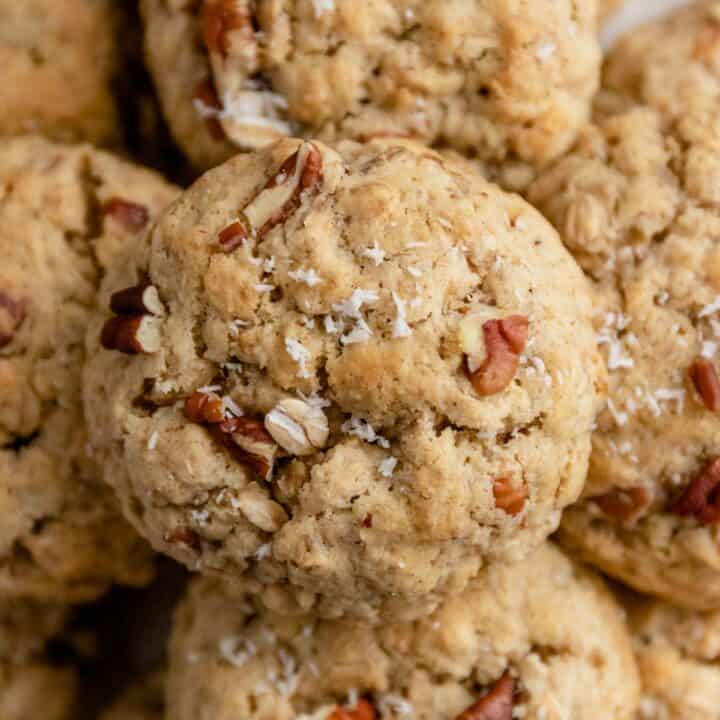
[(495, 79), (59, 62), (636, 204), (542, 638), (31, 686), (353, 376), (64, 211), (677, 654)]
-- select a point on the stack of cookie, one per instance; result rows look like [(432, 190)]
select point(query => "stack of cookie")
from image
[(346, 376)]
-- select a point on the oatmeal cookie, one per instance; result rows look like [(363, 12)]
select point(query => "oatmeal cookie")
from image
[(537, 640), (144, 700), (353, 376), (64, 212), (59, 62), (496, 79)]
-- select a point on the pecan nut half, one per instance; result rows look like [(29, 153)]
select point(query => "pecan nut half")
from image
[(707, 383), (701, 499), (504, 342), (132, 216), (131, 334), (496, 704), (203, 408), (220, 18), (12, 316), (627, 506), (509, 496), (137, 300)]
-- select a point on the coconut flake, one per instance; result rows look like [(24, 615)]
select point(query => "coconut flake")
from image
[(236, 650), (545, 50), (711, 308), (264, 287), (153, 441), (620, 417), (364, 430), (375, 253), (323, 6), (300, 354), (309, 277), (400, 327), (387, 467)]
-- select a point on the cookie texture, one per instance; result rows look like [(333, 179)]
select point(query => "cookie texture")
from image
[(497, 79), (59, 62), (144, 700), (361, 379), (546, 626), (64, 212), (30, 685), (677, 654), (634, 202)]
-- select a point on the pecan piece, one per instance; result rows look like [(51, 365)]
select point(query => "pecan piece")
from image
[(707, 383), (297, 427), (504, 341), (248, 442), (363, 710), (12, 315), (496, 704), (137, 300), (232, 237), (204, 408), (701, 499), (132, 216), (220, 18), (509, 496), (624, 505), (282, 195), (186, 536), (131, 334)]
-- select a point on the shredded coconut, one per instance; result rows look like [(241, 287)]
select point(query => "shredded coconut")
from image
[(264, 288), (387, 467), (709, 349), (331, 327), (364, 430), (153, 441), (359, 334), (620, 417), (257, 108), (300, 354), (415, 272), (400, 327), (236, 650), (264, 551), (236, 326), (323, 6), (389, 704), (711, 308), (309, 277), (546, 50), (209, 389), (231, 407), (375, 253)]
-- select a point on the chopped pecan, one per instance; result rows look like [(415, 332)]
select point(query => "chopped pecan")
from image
[(137, 300), (132, 216), (248, 442), (204, 408), (504, 341), (131, 334), (12, 315), (220, 18), (186, 536), (363, 710), (368, 521), (624, 505), (496, 704), (707, 383), (509, 496), (205, 92), (701, 499), (232, 237)]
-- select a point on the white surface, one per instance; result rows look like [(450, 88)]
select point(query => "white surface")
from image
[(635, 12)]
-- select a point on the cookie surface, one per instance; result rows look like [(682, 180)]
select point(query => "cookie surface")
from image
[(633, 203), (677, 653), (143, 701), (492, 78), (304, 413), (64, 211), (59, 61), (30, 685), (547, 626)]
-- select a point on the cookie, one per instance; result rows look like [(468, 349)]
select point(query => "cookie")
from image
[(672, 64), (64, 212), (609, 8), (59, 61), (677, 652), (498, 80), (144, 700), (30, 685), (634, 203), (538, 639), (352, 376)]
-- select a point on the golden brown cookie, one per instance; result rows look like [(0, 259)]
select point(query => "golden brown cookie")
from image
[(496, 79), (354, 376), (64, 212), (539, 639), (59, 62)]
